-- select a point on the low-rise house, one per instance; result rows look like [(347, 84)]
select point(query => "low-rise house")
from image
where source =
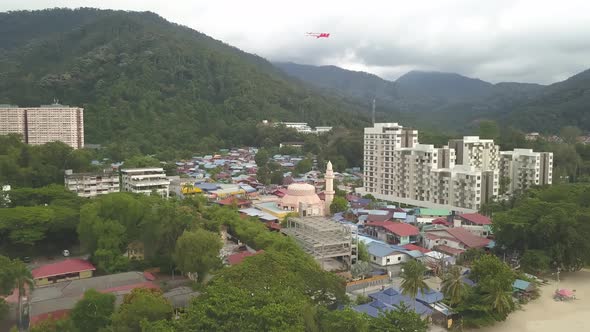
[(452, 241), (476, 223), (392, 232), (234, 201), (390, 299), (385, 255), (145, 181), (66, 270)]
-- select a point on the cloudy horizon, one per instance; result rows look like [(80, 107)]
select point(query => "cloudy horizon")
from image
[(501, 40)]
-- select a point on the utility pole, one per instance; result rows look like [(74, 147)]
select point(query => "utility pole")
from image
[(373, 111)]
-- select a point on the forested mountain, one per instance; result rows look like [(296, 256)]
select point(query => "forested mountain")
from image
[(151, 85), (445, 98)]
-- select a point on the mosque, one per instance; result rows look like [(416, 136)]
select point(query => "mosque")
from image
[(302, 198)]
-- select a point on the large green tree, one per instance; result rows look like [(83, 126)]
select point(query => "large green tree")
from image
[(413, 278), (197, 252), (93, 312), (399, 320), (139, 306), (339, 204), (453, 286)]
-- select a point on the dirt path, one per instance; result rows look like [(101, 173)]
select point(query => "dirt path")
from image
[(546, 315)]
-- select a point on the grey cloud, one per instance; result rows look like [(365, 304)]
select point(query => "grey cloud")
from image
[(499, 40)]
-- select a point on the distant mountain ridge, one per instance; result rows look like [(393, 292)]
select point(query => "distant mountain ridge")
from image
[(449, 99)]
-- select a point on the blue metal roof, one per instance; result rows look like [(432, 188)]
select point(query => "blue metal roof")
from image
[(379, 250), (521, 284), (207, 186), (389, 299), (429, 296), (400, 215)]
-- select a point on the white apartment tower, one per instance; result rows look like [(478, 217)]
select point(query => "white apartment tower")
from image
[(461, 176), (145, 181), (380, 163), (40, 125), (525, 168), (92, 184)]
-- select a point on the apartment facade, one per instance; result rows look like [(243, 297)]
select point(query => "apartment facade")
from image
[(145, 181), (461, 176), (526, 168), (92, 184), (40, 125)]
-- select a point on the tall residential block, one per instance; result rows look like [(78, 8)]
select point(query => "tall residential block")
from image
[(461, 176), (523, 168), (40, 125), (145, 181), (92, 184)]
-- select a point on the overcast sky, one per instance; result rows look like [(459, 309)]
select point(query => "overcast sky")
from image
[(539, 41)]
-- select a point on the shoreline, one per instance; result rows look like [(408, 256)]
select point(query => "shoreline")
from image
[(547, 315)]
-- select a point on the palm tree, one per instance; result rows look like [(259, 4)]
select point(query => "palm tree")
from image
[(22, 278), (413, 279), (498, 297), (453, 286)]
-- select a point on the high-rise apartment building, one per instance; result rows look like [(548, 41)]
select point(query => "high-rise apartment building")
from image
[(524, 168), (145, 181), (92, 184), (461, 176), (39, 125)]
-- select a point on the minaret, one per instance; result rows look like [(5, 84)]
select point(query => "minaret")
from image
[(329, 194)]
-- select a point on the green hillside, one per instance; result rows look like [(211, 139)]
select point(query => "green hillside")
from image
[(151, 85)]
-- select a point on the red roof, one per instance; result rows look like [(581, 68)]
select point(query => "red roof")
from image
[(411, 246), (232, 200), (441, 221), (280, 192), (149, 276), (449, 250), (398, 228), (55, 315), (468, 238), (476, 218), (73, 265), (239, 257), (379, 217), (145, 284)]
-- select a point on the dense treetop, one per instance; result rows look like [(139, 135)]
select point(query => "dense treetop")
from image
[(149, 84)]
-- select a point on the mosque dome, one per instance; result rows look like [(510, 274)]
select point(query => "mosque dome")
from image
[(300, 193)]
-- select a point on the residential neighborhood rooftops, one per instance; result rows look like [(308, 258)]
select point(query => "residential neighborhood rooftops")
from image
[(411, 246), (398, 228), (434, 212), (476, 218), (64, 267), (237, 258), (468, 238), (380, 249)]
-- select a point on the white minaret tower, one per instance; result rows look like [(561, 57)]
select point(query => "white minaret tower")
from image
[(329, 187)]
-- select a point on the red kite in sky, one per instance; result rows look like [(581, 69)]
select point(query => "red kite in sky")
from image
[(319, 34)]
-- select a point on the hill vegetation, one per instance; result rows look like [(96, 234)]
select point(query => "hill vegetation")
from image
[(148, 85), (441, 99)]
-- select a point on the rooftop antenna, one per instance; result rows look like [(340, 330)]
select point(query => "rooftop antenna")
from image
[(373, 111)]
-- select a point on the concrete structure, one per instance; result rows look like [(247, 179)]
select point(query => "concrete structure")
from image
[(322, 238), (92, 184), (329, 193), (302, 196), (461, 176), (527, 168), (39, 125), (145, 181), (303, 127), (65, 295)]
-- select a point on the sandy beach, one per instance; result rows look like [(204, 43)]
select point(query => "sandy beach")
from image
[(546, 315)]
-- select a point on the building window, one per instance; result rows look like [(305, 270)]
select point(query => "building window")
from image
[(399, 258)]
